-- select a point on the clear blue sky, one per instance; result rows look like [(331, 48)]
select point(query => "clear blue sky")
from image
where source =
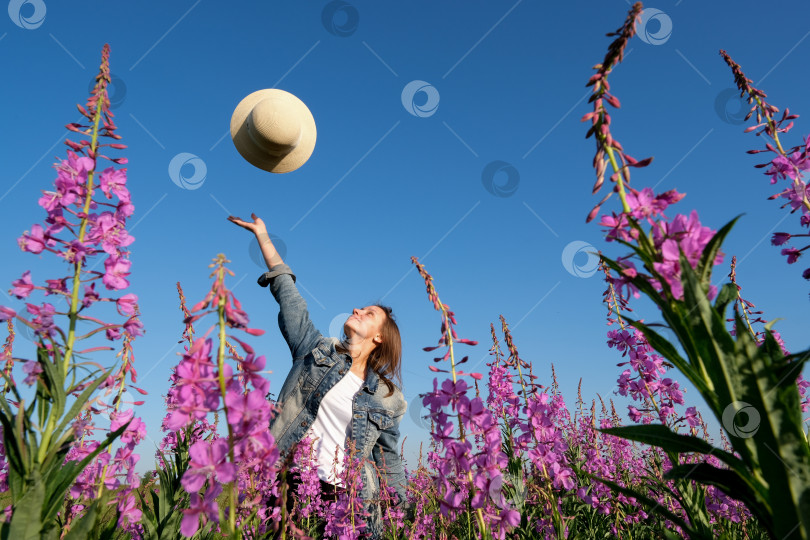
[(383, 183)]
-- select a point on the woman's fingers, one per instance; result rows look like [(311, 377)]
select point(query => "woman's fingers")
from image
[(257, 226), (240, 222)]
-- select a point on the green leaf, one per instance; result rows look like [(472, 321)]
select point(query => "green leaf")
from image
[(652, 505), (726, 295), (61, 478), (26, 521), (17, 470), (662, 437), (79, 404), (760, 380), (54, 383), (148, 519), (713, 343), (728, 481), (704, 267), (668, 351)]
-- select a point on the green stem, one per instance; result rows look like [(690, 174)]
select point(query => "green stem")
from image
[(117, 401), (232, 495), (619, 176), (47, 434), (77, 266), (449, 336), (775, 137)]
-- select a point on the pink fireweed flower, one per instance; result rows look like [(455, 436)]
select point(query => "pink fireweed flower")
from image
[(43, 322), (124, 209), (645, 204), (56, 286), (75, 168), (32, 370), (196, 391), (116, 269), (54, 201), (247, 412), (685, 235), (90, 295), (127, 304), (804, 384), (34, 241), (130, 512), (618, 227), (309, 487), (113, 181), (208, 460), (110, 232), (133, 327), (474, 412), (23, 286), (76, 252), (251, 373), (796, 194), (135, 431), (113, 334), (345, 518), (789, 166), (205, 507), (792, 254)]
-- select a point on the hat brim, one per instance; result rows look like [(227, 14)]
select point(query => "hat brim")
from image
[(254, 154)]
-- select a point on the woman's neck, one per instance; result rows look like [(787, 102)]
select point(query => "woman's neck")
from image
[(359, 358)]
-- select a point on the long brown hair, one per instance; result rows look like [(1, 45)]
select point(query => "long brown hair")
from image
[(386, 358)]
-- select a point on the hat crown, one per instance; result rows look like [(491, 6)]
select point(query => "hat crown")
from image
[(274, 127)]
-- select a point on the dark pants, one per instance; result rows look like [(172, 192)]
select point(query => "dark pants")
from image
[(329, 493)]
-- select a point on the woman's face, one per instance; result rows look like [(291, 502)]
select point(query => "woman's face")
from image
[(365, 324)]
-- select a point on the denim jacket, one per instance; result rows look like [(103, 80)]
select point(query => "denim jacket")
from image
[(317, 367)]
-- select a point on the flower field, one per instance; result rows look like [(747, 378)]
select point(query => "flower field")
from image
[(509, 456)]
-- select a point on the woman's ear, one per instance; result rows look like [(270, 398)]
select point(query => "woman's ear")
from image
[(377, 339)]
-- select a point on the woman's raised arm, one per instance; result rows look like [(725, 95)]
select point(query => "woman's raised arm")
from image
[(257, 227), (293, 317)]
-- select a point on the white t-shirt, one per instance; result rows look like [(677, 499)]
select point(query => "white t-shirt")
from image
[(331, 427)]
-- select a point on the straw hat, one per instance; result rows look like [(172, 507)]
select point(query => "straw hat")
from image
[(273, 130)]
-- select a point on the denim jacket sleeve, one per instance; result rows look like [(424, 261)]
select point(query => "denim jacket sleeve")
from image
[(387, 459), (293, 317)]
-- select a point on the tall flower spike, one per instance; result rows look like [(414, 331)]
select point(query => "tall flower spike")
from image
[(606, 146), (787, 164)]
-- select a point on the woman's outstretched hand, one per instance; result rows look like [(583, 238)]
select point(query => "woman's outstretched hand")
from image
[(257, 226)]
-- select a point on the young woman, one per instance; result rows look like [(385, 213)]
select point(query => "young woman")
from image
[(338, 391)]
